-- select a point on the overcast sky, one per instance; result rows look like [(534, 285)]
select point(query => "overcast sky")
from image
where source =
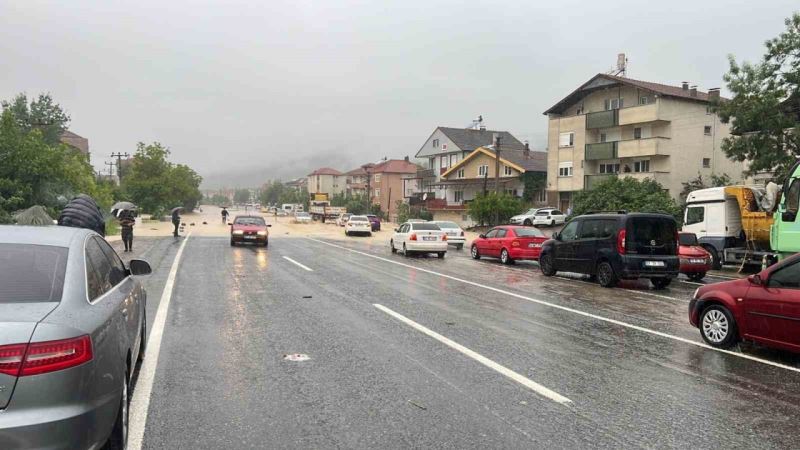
[(288, 85)]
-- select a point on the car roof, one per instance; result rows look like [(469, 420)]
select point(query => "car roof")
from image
[(54, 235), (248, 217), (607, 215)]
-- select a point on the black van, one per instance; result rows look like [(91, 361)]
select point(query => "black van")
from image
[(614, 246)]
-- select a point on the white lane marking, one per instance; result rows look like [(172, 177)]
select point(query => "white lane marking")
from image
[(505, 371), (574, 311), (692, 282), (140, 403), (297, 264)]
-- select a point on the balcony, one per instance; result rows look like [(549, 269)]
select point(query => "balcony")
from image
[(602, 119), (591, 181), (634, 148), (601, 150), (640, 114)]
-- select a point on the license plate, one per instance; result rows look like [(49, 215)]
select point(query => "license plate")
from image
[(249, 237), (534, 245), (654, 264), (428, 238), (697, 261)]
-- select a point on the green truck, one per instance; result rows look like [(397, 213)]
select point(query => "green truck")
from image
[(785, 232)]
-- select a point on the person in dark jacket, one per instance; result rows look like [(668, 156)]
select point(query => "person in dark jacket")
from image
[(176, 220), (126, 221), (83, 212)]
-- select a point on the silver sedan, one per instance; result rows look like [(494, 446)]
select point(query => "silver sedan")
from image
[(72, 329)]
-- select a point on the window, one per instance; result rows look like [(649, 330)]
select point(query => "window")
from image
[(483, 171), (565, 169), (377, 192), (444, 147), (443, 162), (491, 234), (613, 103), (501, 233), (644, 100), (118, 271), (793, 198), (570, 232), (528, 232), (706, 163), (512, 192), (31, 273), (637, 133), (98, 270), (435, 143), (566, 139), (695, 214), (609, 168), (579, 111), (377, 178), (598, 228), (432, 162), (540, 196), (603, 137), (641, 166), (507, 171), (460, 173), (707, 130), (453, 159), (787, 276), (458, 196)]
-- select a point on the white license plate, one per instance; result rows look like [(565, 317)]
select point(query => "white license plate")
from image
[(249, 237), (534, 245), (428, 238), (697, 261), (654, 264)]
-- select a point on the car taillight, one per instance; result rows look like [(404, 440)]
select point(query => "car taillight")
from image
[(444, 237), (462, 233), (413, 237), (44, 357), (515, 243), (621, 241)]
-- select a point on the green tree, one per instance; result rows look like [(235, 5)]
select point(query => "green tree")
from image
[(271, 192), (219, 200), (486, 207), (764, 112), (626, 193), (41, 114), (241, 196), (699, 183), (533, 182), (184, 186)]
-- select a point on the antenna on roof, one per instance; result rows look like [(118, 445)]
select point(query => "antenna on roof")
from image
[(477, 124), (622, 66)]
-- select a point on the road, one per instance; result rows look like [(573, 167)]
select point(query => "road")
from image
[(428, 353)]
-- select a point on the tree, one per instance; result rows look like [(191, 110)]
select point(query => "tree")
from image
[(185, 187), (533, 182), (219, 200), (485, 207), (241, 196), (764, 112), (699, 183), (626, 193), (271, 192), (41, 114)]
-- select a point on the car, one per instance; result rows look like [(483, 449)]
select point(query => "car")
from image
[(455, 235), (302, 217), (615, 246), (416, 220), (695, 261), (72, 333), (763, 308), (249, 229), (419, 237), (342, 219), (526, 218), (548, 217), (509, 243), (358, 225), (375, 222)]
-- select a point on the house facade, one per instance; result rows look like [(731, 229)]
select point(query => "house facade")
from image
[(387, 183), (326, 180), (614, 126), (356, 182)]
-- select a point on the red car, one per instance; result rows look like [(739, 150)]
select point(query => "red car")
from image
[(249, 229), (509, 243), (764, 308), (695, 260)]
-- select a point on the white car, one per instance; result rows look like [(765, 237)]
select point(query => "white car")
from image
[(302, 217), (358, 225), (455, 235), (419, 237), (549, 216), (342, 219), (527, 217)]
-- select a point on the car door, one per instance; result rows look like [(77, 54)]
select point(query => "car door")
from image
[(565, 247), (484, 245), (558, 216), (496, 242), (586, 245), (125, 288), (773, 309)]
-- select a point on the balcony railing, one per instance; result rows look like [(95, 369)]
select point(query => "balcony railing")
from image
[(640, 114), (601, 150), (602, 119), (643, 147), (591, 181)]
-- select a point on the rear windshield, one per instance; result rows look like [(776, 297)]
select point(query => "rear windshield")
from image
[(425, 227), (652, 236), (31, 273), (359, 219), (688, 239), (543, 213), (249, 221), (447, 225), (528, 232), (302, 214)]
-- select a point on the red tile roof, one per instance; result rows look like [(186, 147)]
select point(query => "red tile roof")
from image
[(325, 171), (357, 171), (395, 166)]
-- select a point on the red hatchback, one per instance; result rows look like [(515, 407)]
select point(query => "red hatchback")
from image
[(509, 243), (695, 260), (249, 229), (764, 308)]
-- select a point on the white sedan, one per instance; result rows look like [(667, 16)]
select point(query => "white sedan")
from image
[(549, 217), (419, 237), (455, 235), (358, 225), (302, 217), (342, 219)]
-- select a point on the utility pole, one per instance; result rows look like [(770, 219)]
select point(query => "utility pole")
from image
[(110, 165), (119, 156), (369, 193), (497, 176)]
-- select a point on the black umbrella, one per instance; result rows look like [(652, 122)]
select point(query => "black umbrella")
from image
[(178, 208), (123, 206)]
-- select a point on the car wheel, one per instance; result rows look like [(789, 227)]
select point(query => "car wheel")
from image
[(505, 258), (660, 283), (369, 234), (119, 434), (405, 251), (440, 254), (527, 222), (716, 260), (459, 246), (696, 276), (718, 327), (391, 246), (606, 276), (546, 265), (552, 223), (474, 252)]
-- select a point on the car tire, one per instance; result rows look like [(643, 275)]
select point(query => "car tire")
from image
[(505, 258), (369, 234), (553, 223), (391, 246), (119, 434), (660, 283), (346, 233), (716, 261), (459, 246), (718, 327), (696, 276), (473, 251), (266, 243), (405, 251), (527, 222), (606, 276), (546, 265), (440, 254)]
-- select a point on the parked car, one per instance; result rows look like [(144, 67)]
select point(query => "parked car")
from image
[(527, 217), (548, 217), (419, 237), (375, 222), (615, 246), (342, 219), (695, 261), (358, 225), (302, 217), (455, 235), (72, 329), (509, 243), (250, 229), (763, 308)]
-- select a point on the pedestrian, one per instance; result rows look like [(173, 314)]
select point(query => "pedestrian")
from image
[(127, 222), (225, 214), (569, 211), (176, 220)]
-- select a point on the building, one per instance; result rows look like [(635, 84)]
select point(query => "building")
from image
[(75, 141), (613, 126), (326, 180), (387, 184), (356, 182), (297, 184)]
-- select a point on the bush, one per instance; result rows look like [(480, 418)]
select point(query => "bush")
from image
[(491, 208), (626, 193)]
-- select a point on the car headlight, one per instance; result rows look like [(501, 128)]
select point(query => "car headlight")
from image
[(238, 232), (262, 233)]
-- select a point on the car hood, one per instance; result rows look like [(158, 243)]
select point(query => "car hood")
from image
[(249, 227), (692, 251)]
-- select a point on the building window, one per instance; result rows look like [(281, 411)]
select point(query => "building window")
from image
[(641, 166), (458, 196), (603, 137), (613, 103), (443, 162), (706, 163), (707, 130), (512, 192), (377, 178), (579, 111), (460, 173), (377, 192), (483, 171), (644, 100), (453, 159), (609, 168), (435, 143), (637, 133), (566, 139), (540, 196), (507, 171), (444, 147), (432, 163), (565, 169)]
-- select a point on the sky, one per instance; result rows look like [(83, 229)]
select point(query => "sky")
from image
[(245, 91)]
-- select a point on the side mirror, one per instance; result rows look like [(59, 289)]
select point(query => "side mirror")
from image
[(139, 267), (788, 216), (755, 280), (269, 225), (482, 236)]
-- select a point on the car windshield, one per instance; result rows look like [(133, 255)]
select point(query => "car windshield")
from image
[(31, 273), (528, 232), (529, 212), (359, 219), (425, 226), (249, 221), (447, 225), (302, 214)]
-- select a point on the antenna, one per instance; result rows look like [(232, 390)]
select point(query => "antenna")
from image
[(622, 66)]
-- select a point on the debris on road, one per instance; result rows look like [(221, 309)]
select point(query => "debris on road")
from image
[(418, 405), (449, 323), (296, 357), (307, 296)]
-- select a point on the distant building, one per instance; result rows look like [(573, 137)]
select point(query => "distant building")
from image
[(386, 184), (326, 180), (75, 141), (356, 182), (299, 183)]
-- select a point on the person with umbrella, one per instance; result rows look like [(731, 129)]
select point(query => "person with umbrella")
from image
[(176, 219), (126, 213)]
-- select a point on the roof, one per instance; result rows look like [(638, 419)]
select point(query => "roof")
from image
[(602, 81), (395, 166), (325, 171), (468, 139), (532, 162), (75, 141), (54, 235), (357, 171)]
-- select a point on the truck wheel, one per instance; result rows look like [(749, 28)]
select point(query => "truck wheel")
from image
[(716, 260)]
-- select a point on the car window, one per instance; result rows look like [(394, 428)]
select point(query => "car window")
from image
[(425, 226), (597, 228), (695, 214), (31, 273), (501, 233), (492, 233), (556, 213), (404, 228), (118, 271), (542, 213), (528, 232), (570, 232), (98, 270), (793, 197), (249, 221), (787, 276)]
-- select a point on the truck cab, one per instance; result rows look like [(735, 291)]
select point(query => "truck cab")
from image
[(714, 217), (785, 232)]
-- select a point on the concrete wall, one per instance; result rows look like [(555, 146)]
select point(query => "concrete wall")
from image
[(459, 217)]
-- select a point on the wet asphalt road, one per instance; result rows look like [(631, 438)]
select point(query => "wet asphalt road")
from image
[(374, 381)]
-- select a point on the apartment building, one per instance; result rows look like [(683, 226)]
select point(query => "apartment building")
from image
[(326, 180), (615, 126), (387, 184), (356, 182)]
